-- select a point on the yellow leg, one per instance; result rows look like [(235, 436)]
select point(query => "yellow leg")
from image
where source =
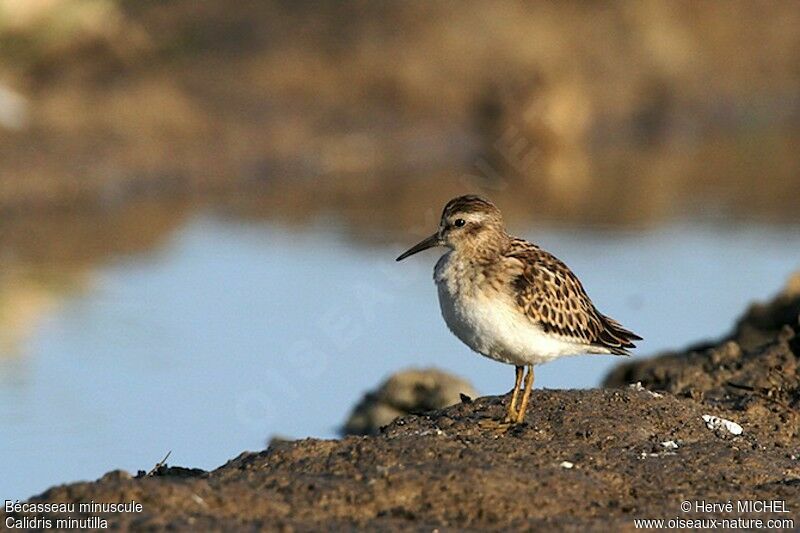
[(512, 407), (526, 395)]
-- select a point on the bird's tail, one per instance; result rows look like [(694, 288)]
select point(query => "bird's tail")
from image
[(615, 337)]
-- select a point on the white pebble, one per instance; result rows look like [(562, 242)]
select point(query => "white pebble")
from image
[(638, 387), (715, 422)]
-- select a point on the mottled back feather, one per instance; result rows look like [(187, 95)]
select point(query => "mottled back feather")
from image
[(553, 297)]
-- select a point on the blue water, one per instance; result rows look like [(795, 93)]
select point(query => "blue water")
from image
[(232, 333)]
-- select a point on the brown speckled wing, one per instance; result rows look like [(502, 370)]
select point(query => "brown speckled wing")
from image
[(553, 297)]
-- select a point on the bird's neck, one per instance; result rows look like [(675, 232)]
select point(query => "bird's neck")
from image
[(484, 249)]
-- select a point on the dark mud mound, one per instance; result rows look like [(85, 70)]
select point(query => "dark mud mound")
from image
[(755, 369), (762, 323), (410, 391), (592, 458)]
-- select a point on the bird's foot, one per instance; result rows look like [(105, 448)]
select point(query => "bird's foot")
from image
[(511, 415)]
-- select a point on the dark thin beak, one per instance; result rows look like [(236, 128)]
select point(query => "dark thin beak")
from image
[(430, 242)]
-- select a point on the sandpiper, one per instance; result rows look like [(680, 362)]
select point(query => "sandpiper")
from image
[(511, 301)]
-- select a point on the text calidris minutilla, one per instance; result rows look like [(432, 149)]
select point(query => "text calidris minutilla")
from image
[(510, 300)]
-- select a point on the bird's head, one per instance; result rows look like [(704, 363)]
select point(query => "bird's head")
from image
[(468, 223)]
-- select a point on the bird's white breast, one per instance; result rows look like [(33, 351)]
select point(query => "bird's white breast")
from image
[(489, 321)]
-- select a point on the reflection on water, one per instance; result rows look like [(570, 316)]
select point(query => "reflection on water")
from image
[(26, 297), (231, 333)]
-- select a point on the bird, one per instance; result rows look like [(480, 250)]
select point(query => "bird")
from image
[(511, 301)]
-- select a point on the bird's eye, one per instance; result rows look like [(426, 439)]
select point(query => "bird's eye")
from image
[(459, 222)]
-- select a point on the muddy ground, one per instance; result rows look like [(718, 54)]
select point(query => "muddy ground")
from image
[(596, 459), (753, 370), (458, 468)]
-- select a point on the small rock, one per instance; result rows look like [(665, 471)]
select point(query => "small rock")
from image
[(116, 475), (410, 391), (715, 423), (566, 464), (638, 387), (670, 445)]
